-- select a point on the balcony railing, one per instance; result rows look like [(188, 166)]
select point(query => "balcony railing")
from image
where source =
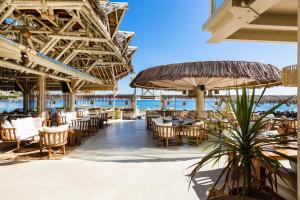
[(215, 4)]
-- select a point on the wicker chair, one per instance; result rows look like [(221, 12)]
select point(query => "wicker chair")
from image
[(104, 117), (54, 137), (94, 124), (167, 133), (193, 133)]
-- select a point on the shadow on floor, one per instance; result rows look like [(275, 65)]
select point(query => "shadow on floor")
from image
[(11, 162), (205, 180), (134, 159)]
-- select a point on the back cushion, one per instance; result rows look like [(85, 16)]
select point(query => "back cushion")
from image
[(6, 124), (38, 122), (24, 125)]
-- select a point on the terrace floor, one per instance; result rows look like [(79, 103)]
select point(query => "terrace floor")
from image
[(120, 162), (130, 141)]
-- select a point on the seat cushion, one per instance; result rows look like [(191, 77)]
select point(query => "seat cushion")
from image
[(25, 134)]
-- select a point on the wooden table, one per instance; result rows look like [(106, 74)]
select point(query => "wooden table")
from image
[(74, 137), (257, 163)]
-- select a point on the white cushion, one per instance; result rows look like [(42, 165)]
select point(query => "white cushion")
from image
[(24, 123), (85, 112), (25, 128), (198, 123), (38, 122), (24, 134), (85, 118), (56, 129), (71, 116), (7, 124)]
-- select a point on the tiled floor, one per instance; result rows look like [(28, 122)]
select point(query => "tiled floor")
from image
[(122, 162)]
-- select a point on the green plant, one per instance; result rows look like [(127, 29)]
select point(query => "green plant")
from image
[(118, 114), (243, 144)]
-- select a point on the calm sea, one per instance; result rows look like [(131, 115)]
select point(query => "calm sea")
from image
[(11, 105)]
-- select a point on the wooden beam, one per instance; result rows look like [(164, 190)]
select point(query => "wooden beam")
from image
[(64, 50), (81, 38), (231, 18), (94, 52), (6, 14), (274, 22), (14, 66), (264, 35)]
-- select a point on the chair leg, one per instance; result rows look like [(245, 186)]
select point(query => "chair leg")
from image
[(79, 139), (49, 152), (64, 149), (18, 145), (41, 149)]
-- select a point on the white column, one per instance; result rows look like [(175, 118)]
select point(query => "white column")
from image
[(298, 104), (163, 103), (200, 103), (133, 103)]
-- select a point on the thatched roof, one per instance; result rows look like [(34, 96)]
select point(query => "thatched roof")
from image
[(112, 7), (211, 74), (123, 39), (278, 99), (64, 38)]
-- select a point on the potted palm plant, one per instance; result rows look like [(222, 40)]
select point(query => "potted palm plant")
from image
[(244, 144)]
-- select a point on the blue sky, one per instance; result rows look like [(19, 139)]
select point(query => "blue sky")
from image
[(170, 31)]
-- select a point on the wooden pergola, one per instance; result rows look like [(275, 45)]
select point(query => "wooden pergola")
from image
[(44, 43)]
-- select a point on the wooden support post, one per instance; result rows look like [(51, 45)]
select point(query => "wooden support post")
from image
[(31, 101), (26, 100), (298, 105), (66, 101), (42, 94), (72, 101), (26, 90), (200, 103), (113, 103)]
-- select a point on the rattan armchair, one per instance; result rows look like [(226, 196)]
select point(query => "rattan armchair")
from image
[(194, 133), (165, 134), (54, 138)]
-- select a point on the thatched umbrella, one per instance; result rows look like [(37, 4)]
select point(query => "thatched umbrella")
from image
[(207, 75)]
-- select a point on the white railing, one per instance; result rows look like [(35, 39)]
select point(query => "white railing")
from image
[(215, 4)]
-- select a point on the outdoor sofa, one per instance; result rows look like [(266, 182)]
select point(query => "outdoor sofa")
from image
[(20, 129)]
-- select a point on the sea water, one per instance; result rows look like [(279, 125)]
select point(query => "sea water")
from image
[(210, 104)]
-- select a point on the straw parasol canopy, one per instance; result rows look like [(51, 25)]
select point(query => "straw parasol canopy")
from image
[(210, 74)]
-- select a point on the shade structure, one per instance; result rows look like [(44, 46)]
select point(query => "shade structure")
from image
[(211, 74), (207, 75)]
